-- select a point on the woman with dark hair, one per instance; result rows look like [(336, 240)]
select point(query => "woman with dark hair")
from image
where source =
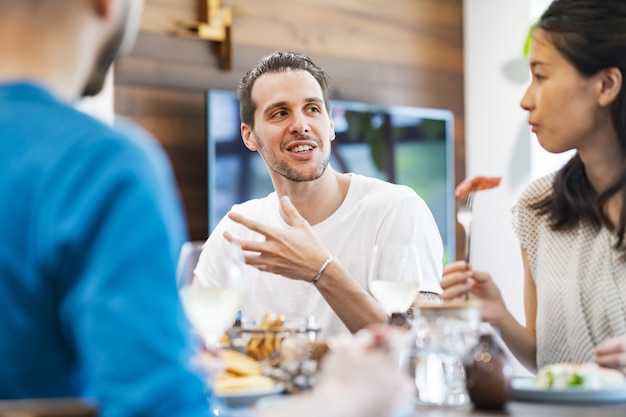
[(570, 223)]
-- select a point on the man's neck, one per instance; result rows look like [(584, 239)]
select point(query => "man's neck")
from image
[(53, 56), (317, 200)]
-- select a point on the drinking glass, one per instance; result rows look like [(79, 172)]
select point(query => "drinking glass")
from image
[(444, 333), (394, 277), (211, 309)]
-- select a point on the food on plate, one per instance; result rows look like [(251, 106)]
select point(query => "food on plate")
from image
[(585, 375), (268, 339), (224, 383), (283, 352), (241, 372), (239, 364), (298, 363)]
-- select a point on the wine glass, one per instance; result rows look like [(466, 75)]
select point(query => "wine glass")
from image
[(211, 309), (394, 277)]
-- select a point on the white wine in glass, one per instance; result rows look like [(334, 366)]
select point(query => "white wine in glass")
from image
[(211, 310), (395, 276)]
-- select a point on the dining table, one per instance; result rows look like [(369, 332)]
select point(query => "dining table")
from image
[(527, 400), (527, 409), (513, 408), (48, 407)]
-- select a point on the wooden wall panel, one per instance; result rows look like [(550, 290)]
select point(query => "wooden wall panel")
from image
[(405, 52), (414, 32), (374, 81), (176, 119)]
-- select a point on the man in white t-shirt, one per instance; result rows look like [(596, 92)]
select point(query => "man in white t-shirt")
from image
[(308, 244)]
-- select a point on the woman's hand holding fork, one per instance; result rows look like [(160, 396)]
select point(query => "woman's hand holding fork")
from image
[(459, 279)]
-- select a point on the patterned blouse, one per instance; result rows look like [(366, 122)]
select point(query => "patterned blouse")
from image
[(580, 280)]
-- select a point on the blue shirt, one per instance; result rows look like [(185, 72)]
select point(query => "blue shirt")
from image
[(90, 230)]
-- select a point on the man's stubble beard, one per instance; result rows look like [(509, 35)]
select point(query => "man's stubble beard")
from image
[(283, 169)]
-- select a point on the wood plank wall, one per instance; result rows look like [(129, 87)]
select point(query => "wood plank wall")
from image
[(404, 52)]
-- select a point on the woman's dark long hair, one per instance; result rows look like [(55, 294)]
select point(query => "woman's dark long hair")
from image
[(591, 35)]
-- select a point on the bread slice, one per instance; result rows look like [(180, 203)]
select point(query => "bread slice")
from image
[(239, 363), (225, 384)]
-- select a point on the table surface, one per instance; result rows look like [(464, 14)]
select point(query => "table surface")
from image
[(528, 409), (512, 409), (48, 407)]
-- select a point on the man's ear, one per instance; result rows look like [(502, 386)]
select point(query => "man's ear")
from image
[(610, 87), (248, 137)]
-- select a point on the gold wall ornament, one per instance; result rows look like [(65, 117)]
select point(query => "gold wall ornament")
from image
[(216, 28)]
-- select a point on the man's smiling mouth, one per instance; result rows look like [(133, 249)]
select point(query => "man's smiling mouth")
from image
[(301, 148)]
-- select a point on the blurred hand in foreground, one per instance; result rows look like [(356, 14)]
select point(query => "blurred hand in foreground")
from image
[(360, 376), (476, 183)]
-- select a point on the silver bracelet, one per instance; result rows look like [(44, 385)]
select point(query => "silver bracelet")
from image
[(322, 269)]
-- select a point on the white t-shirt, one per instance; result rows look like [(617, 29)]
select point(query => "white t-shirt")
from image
[(373, 212)]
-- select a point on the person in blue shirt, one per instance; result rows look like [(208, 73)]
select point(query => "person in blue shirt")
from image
[(83, 204), (91, 230)]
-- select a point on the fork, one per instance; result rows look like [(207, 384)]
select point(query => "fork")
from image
[(464, 217)]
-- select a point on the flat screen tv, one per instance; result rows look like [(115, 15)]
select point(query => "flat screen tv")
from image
[(405, 145)]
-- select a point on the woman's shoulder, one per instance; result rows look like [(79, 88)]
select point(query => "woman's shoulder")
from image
[(537, 189), (526, 221)]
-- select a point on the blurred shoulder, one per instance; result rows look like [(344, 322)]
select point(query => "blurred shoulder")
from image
[(134, 137)]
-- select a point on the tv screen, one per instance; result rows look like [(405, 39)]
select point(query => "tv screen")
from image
[(405, 145)]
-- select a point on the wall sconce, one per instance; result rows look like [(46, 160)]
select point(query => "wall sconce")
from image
[(217, 29)]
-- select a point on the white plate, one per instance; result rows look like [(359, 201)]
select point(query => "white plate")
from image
[(246, 397), (524, 389)]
